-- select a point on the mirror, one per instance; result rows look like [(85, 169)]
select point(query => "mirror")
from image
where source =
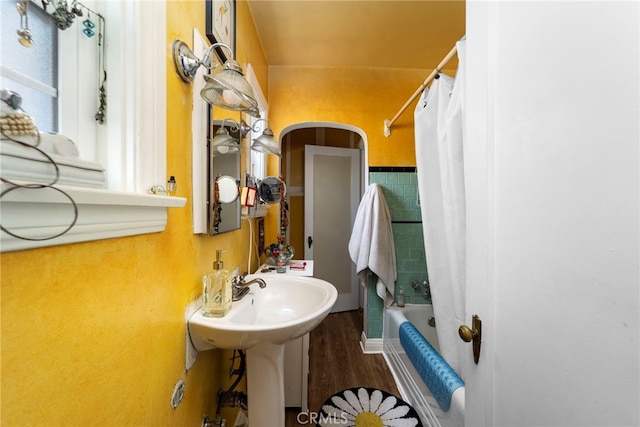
[(271, 190), (227, 189), (223, 182)]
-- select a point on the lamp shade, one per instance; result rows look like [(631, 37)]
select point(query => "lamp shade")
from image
[(223, 143), (266, 143), (229, 89)]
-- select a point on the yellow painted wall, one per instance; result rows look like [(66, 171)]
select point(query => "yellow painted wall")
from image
[(360, 97), (94, 333)]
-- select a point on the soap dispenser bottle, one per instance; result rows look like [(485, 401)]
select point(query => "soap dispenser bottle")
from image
[(216, 292)]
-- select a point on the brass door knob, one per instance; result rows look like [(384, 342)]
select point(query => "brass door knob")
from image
[(472, 334), (466, 333)]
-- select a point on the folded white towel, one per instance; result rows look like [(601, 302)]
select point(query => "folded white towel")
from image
[(371, 245)]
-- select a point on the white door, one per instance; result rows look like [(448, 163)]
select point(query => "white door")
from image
[(331, 198), (553, 213)]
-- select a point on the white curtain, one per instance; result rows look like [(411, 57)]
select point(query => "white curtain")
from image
[(439, 136)]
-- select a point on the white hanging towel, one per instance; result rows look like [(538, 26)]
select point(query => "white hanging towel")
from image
[(371, 245)]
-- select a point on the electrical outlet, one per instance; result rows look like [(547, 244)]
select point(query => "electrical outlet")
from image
[(178, 394)]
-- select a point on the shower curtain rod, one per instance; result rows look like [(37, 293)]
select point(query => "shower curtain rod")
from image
[(388, 123)]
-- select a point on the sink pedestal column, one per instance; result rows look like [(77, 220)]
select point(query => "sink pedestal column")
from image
[(265, 385)]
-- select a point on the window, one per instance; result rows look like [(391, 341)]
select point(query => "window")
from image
[(132, 37), (57, 76), (37, 85), (132, 144)]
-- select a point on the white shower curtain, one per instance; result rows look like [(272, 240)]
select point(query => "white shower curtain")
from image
[(439, 136)]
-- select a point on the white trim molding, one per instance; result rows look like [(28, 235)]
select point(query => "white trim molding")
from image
[(102, 214), (133, 142), (199, 144), (370, 345)]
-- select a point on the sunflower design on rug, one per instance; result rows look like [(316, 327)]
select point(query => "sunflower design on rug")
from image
[(367, 407)]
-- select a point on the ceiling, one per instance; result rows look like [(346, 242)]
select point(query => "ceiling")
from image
[(358, 33)]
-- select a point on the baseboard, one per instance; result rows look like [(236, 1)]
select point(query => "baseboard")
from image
[(370, 345)]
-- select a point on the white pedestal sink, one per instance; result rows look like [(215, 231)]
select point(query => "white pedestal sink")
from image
[(261, 323)]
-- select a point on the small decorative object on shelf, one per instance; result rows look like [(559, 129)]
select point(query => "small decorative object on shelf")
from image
[(172, 186), (158, 190), (279, 253)]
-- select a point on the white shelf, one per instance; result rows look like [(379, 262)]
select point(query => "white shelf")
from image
[(102, 214)]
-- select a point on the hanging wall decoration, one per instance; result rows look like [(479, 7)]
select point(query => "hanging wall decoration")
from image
[(221, 25), (24, 34), (64, 15)]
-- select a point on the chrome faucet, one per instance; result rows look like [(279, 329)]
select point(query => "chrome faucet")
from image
[(241, 288), (427, 290)]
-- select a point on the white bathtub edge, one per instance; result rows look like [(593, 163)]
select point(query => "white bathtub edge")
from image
[(403, 392), (457, 400), (411, 387)]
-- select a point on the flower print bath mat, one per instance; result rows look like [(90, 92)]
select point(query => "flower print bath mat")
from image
[(367, 407)]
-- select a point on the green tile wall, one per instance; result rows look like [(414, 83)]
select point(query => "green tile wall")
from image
[(375, 309), (401, 193)]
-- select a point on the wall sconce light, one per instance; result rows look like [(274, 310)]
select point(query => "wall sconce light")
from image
[(227, 88), (265, 143), (223, 142)]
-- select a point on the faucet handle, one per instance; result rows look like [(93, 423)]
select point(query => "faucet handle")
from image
[(427, 290), (415, 284), (237, 280)]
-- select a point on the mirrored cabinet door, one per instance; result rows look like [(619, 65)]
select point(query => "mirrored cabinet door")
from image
[(224, 148)]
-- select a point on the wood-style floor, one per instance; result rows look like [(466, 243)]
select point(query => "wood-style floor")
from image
[(336, 362)]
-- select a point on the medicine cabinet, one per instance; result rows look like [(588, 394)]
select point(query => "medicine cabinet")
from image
[(208, 166), (223, 203)]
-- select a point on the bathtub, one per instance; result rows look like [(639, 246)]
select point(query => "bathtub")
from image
[(410, 384)]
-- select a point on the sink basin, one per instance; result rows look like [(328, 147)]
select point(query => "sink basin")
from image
[(288, 308), (261, 323)]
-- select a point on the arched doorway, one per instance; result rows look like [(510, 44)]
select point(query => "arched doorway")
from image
[(329, 247)]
